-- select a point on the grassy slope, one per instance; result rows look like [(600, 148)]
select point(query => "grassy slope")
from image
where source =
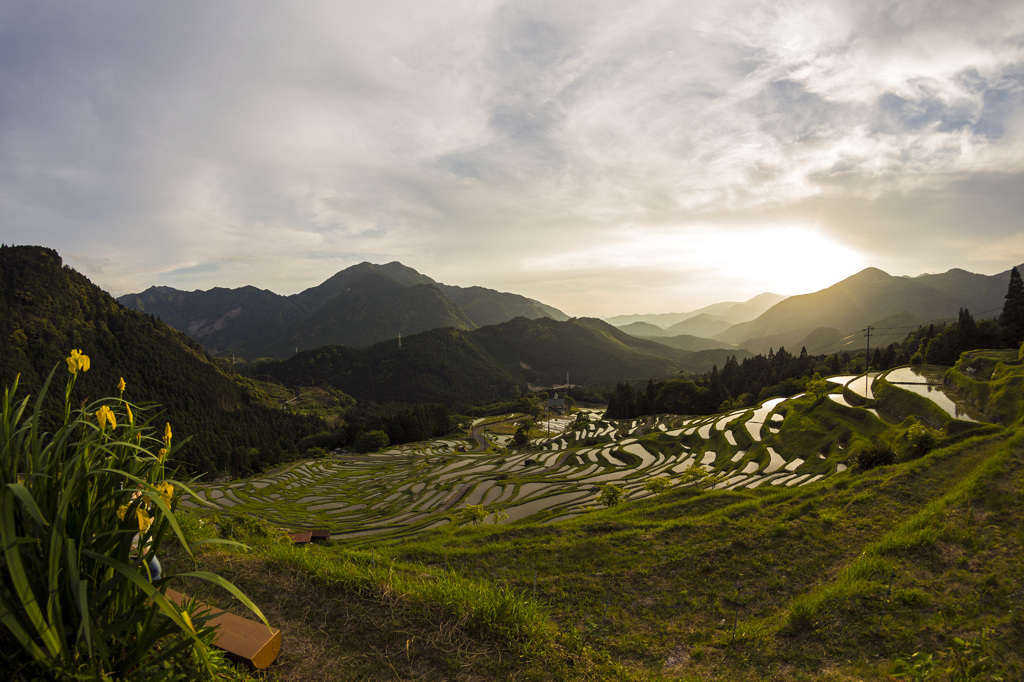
[(834, 580), (658, 582)]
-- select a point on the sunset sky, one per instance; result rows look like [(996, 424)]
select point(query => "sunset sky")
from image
[(602, 157)]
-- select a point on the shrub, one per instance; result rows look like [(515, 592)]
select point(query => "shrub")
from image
[(919, 441), (473, 513), (370, 441), (245, 528), (194, 528), (658, 484), (701, 477), (85, 502), (611, 495), (314, 452), (875, 455)]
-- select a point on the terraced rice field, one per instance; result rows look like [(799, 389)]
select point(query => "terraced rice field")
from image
[(421, 486)]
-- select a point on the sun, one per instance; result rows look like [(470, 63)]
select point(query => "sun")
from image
[(783, 259), (678, 266), (786, 260)]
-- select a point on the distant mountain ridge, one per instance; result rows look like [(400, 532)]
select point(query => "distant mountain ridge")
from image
[(826, 321), (366, 304), (727, 312), (830, 320), (359, 306)]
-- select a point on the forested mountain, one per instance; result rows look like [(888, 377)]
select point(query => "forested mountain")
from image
[(372, 308), (359, 306), (459, 367), (871, 297), (439, 365), (47, 309)]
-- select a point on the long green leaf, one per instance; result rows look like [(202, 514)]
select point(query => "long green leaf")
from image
[(14, 626), (79, 594), (29, 502), (230, 587), (34, 431), (159, 598), (20, 582)]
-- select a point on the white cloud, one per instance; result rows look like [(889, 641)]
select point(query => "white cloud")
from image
[(274, 144)]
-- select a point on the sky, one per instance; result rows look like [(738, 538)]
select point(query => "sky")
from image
[(603, 157)]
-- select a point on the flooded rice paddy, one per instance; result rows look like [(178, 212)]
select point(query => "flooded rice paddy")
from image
[(420, 486)]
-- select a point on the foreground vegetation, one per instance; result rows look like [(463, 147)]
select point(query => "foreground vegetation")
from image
[(84, 510)]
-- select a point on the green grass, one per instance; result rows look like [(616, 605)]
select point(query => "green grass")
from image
[(840, 579)]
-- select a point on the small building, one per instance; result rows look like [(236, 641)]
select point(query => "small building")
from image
[(555, 404)]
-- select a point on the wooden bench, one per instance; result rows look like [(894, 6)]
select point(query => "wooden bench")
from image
[(243, 640)]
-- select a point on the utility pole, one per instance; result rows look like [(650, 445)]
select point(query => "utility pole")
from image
[(867, 361)]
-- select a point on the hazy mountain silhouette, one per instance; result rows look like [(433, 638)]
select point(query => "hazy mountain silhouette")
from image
[(830, 319), (729, 312)]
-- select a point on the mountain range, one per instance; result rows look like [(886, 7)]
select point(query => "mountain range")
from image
[(47, 308), (705, 321), (359, 306), (832, 319), (367, 304)]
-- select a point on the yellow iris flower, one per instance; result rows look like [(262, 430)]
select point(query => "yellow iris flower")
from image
[(144, 519), (121, 385), (166, 491), (131, 417), (105, 414), (167, 434), (76, 361), (140, 514)]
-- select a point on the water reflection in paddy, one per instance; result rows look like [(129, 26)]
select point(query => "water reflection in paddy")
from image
[(523, 510), (928, 382)]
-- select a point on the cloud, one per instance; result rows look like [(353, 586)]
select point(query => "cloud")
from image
[(501, 143)]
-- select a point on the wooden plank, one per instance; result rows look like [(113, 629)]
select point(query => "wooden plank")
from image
[(242, 639), (321, 535), (301, 538)]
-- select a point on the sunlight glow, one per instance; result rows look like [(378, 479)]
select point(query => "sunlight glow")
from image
[(784, 259)]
